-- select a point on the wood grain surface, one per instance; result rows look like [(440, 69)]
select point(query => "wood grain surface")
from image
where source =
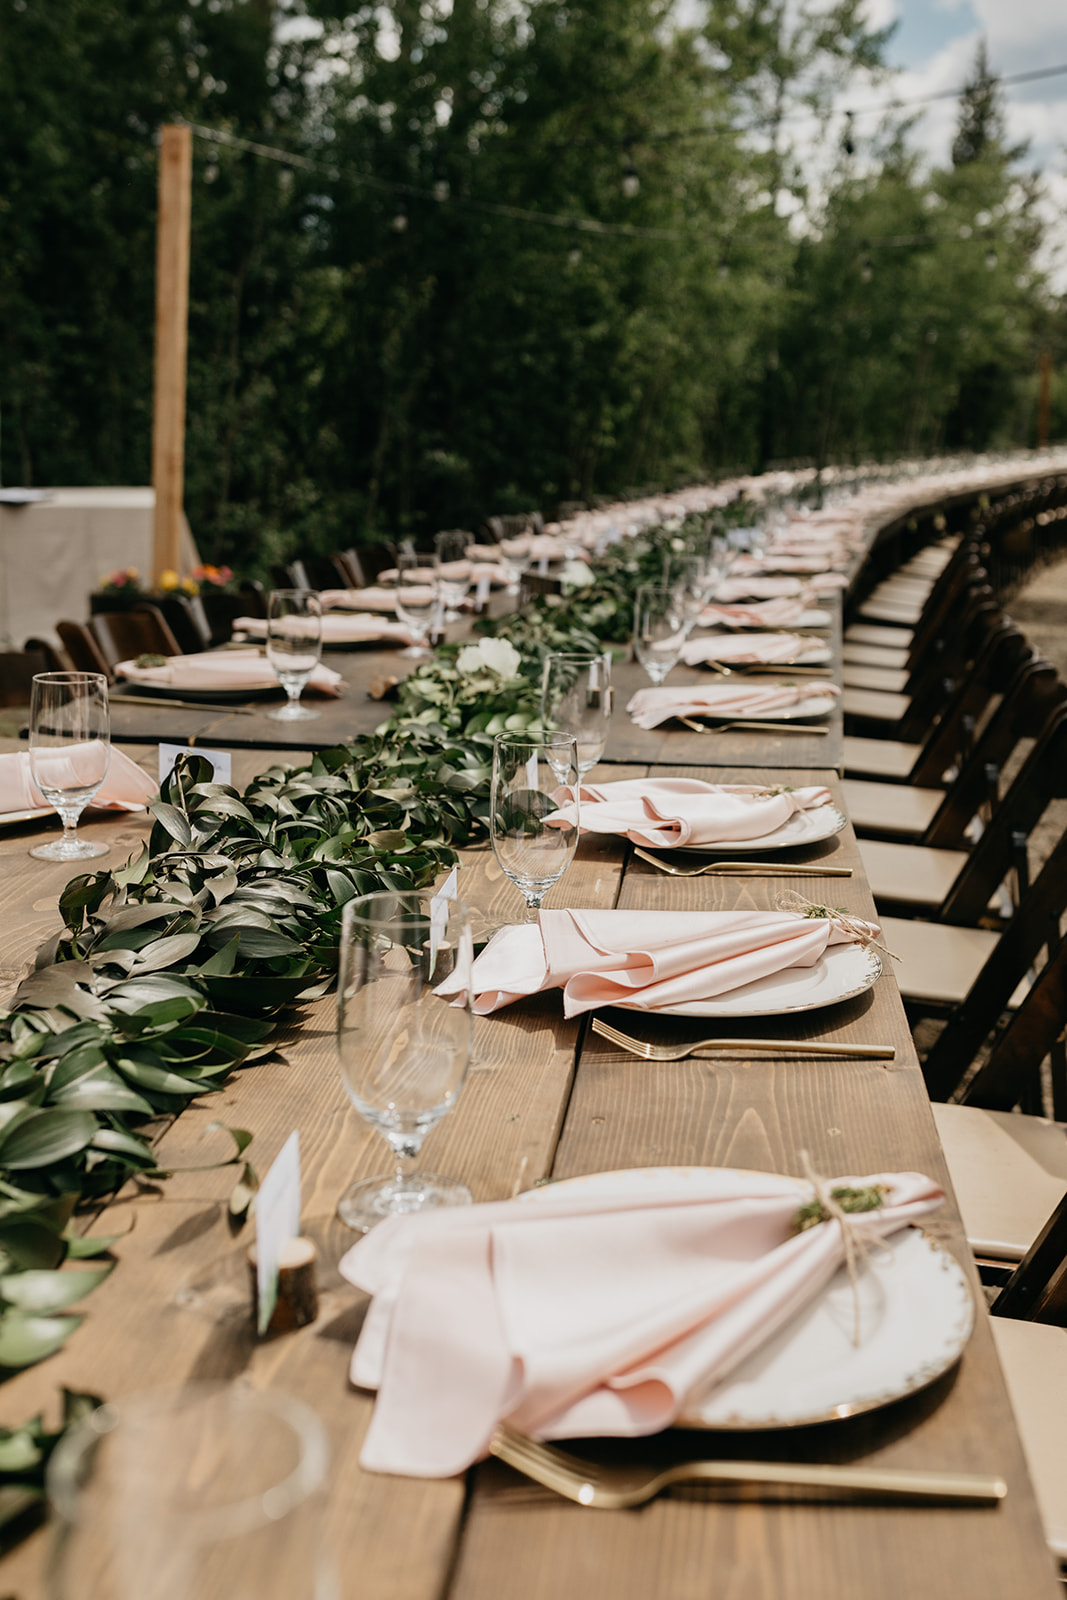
[(545, 1097)]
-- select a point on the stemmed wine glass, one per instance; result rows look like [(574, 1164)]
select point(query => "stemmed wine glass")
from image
[(403, 1048), (70, 749), (453, 571), (294, 647), (516, 553), (659, 629), (418, 600), (209, 1489), (576, 698), (688, 576), (533, 776)]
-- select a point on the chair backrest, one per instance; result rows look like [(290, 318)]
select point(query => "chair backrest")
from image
[(952, 734), (18, 669), (222, 610), (82, 648), (122, 635), (1037, 1289), (186, 618), (318, 572)]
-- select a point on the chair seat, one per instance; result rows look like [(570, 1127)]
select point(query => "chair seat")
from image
[(888, 680), (907, 612), (874, 655), (1009, 1172), (875, 704), (901, 588), (871, 633), (890, 807), (1034, 1358), (882, 758), (938, 963), (913, 874)]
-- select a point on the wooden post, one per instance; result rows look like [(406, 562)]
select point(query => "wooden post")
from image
[(172, 317), (1043, 396)]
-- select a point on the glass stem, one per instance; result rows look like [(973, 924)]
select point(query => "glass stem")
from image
[(533, 907), (405, 1154)]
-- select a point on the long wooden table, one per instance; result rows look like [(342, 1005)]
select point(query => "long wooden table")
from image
[(547, 1098)]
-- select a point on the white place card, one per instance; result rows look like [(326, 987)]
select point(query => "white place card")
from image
[(221, 761), (277, 1213), (449, 890)]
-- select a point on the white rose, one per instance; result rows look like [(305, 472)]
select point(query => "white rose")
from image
[(500, 657), (470, 659), (577, 575)]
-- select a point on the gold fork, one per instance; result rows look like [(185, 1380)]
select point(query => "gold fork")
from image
[(755, 727), (612, 1488), (761, 869), (796, 668), (782, 1047)]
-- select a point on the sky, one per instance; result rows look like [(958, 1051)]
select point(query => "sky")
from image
[(934, 47)]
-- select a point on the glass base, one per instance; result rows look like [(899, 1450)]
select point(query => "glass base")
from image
[(67, 850), (416, 652), (364, 1205), (293, 712)]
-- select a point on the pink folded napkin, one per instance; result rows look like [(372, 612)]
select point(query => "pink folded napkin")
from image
[(127, 786), (827, 582), (757, 588), (736, 649), (339, 628), (760, 614), (451, 571), (223, 671), (373, 598), (773, 561), (650, 707), (667, 813), (648, 959), (583, 1311)]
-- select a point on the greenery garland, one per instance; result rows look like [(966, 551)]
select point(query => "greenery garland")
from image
[(170, 971)]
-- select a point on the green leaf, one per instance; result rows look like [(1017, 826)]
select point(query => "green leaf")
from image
[(174, 821), (26, 1339), (83, 1246), (47, 1138), (46, 1293)]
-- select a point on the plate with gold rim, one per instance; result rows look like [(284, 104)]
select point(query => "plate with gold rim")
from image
[(916, 1315)]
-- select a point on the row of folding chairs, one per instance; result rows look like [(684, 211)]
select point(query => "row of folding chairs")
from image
[(955, 752)]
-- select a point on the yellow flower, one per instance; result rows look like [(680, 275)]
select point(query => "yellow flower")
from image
[(190, 586), (168, 579)]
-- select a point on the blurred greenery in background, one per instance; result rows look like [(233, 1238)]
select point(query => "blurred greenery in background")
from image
[(376, 349)]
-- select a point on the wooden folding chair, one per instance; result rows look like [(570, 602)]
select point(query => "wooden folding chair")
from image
[(123, 635), (18, 668), (82, 648), (921, 814)]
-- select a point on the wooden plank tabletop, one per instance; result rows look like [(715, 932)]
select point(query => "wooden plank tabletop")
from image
[(546, 1098)]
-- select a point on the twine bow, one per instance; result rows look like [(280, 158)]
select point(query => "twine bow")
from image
[(831, 1207), (855, 927)]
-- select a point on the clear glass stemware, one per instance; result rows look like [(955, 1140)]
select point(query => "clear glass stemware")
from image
[(533, 776), (660, 629), (418, 600), (576, 697), (70, 749), (403, 1049), (453, 571), (294, 647), (213, 1490)]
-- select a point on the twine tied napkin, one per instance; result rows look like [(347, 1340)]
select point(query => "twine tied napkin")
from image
[(647, 959), (224, 671), (337, 628), (666, 813), (736, 650), (649, 707), (586, 1311)]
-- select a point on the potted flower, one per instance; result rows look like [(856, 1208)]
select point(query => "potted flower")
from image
[(120, 590)]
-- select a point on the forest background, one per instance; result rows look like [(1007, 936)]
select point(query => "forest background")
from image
[(529, 252)]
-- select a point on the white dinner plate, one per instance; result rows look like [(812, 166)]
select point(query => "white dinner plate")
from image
[(916, 1316), (814, 708), (816, 655), (803, 827), (843, 971), (807, 619)]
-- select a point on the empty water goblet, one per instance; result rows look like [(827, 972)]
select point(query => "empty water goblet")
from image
[(403, 1048), (534, 775), (418, 600), (659, 629), (453, 571), (576, 697), (294, 647), (212, 1490), (70, 749)]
